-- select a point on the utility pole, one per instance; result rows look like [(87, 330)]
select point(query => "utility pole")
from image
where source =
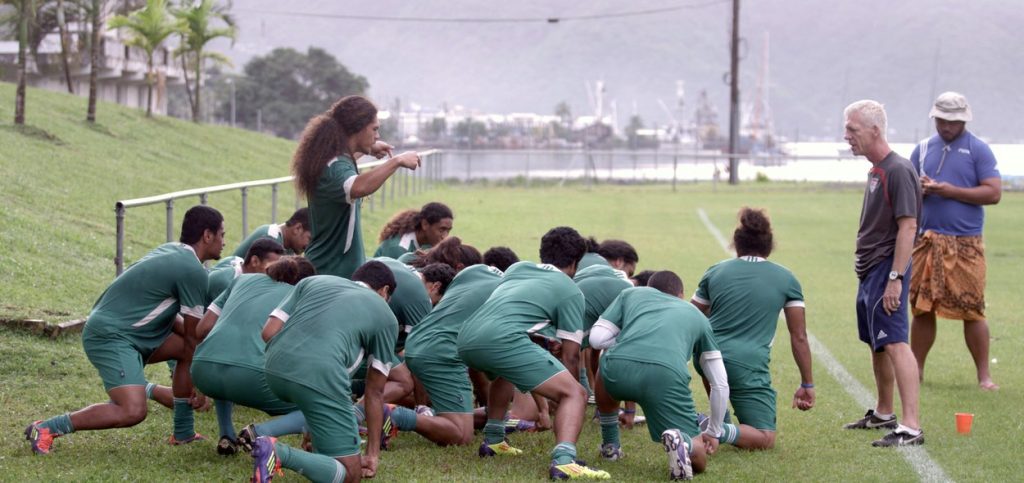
[(734, 95)]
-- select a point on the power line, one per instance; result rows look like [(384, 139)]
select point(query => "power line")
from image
[(567, 18)]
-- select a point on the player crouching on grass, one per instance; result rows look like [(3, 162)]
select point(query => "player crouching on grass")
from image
[(316, 338), (132, 324), (648, 335), (534, 299)]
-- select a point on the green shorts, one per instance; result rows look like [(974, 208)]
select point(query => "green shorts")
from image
[(662, 392), (447, 384), (331, 421), (752, 396), (240, 385), (118, 361), (523, 363)]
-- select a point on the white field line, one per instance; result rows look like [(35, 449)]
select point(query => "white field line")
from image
[(917, 456)]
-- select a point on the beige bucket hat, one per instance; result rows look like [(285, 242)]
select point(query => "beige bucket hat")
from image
[(951, 106)]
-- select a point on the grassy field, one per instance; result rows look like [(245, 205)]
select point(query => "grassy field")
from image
[(58, 228)]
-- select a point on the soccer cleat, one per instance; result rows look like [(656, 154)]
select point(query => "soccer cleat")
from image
[(639, 420), (519, 426), (502, 448), (246, 437), (388, 430), (422, 410), (870, 421), (680, 466), (575, 470), (40, 437), (265, 463), (591, 400), (899, 437), (195, 437), (611, 452), (226, 446)]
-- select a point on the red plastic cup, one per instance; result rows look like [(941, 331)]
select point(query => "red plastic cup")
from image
[(963, 422)]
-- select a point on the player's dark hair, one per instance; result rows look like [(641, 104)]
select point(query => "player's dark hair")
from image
[(263, 247), (562, 247), (642, 277), (438, 272), (451, 251), (197, 220), (291, 269), (376, 275), (592, 244), (500, 257), (326, 137), (753, 235), (618, 249), (301, 217), (409, 220), (666, 281)]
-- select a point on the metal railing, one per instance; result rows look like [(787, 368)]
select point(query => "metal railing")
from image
[(408, 182)]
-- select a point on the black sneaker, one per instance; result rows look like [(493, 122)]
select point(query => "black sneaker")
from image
[(246, 438), (226, 446), (900, 437), (870, 421)]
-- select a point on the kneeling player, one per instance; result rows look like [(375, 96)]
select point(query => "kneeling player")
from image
[(131, 325), (317, 337), (228, 364), (649, 334)]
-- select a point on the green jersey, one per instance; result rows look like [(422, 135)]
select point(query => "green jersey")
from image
[(242, 309), (590, 259), (336, 242), (408, 257), (410, 303), (600, 285), (745, 295), (397, 245), (656, 328), (140, 305), (221, 276), (266, 231), (331, 325), (531, 299), (436, 334)]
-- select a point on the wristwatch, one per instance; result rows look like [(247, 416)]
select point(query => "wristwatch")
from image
[(894, 275)]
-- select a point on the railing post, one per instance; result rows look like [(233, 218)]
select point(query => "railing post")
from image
[(273, 203), (119, 253), (384, 194), (202, 199), (245, 212), (675, 170), (527, 169), (170, 220)]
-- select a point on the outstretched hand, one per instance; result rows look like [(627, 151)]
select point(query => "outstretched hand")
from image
[(380, 149), (408, 159)]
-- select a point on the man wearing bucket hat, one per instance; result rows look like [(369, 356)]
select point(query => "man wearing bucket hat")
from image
[(958, 176)]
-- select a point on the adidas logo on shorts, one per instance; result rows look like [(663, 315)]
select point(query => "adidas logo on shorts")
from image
[(881, 335)]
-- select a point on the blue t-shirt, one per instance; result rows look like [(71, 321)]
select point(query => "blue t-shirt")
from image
[(968, 161)]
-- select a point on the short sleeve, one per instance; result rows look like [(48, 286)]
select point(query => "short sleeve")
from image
[(985, 162), (285, 309), (222, 299), (904, 192), (702, 295), (569, 318), (794, 293), (613, 314), (381, 345), (707, 345), (336, 182), (191, 288)]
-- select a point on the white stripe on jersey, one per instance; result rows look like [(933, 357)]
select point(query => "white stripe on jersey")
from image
[(167, 303), (538, 326), (280, 314), (359, 360)]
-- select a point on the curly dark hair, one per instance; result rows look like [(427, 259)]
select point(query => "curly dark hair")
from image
[(562, 247), (291, 269), (409, 220), (618, 249), (452, 252), (753, 235), (325, 138), (438, 272), (500, 257)]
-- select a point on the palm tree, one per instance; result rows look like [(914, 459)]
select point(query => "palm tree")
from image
[(23, 19), (196, 32), (94, 56), (148, 27)]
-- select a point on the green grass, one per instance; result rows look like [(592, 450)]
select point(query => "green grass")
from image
[(59, 234)]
